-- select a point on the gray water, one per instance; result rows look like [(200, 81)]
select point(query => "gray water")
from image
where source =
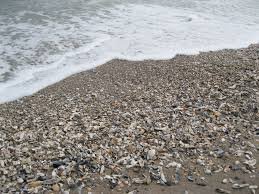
[(43, 41)]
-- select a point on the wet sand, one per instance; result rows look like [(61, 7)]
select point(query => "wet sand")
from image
[(166, 126)]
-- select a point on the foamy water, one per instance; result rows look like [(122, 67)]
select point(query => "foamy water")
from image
[(42, 42)]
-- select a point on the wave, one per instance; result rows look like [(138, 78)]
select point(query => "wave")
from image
[(39, 54)]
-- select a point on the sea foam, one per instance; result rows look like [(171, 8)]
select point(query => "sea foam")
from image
[(40, 48)]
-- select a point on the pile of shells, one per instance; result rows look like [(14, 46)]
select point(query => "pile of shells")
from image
[(138, 123)]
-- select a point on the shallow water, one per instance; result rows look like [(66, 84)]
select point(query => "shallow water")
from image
[(42, 42)]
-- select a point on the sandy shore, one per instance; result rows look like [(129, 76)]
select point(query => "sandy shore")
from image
[(186, 125)]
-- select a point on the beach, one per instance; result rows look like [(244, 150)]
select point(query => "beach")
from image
[(186, 125)]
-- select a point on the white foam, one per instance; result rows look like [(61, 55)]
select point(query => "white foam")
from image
[(125, 31)]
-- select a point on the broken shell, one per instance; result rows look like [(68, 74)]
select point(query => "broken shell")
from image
[(151, 154), (207, 171), (174, 164), (239, 186), (133, 192), (250, 163), (20, 180), (219, 190), (225, 181), (200, 162), (253, 187), (201, 182), (190, 178)]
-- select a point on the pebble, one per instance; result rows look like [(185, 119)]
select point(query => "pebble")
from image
[(201, 182), (34, 184), (55, 188)]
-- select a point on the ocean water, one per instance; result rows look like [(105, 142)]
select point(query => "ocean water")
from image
[(44, 41)]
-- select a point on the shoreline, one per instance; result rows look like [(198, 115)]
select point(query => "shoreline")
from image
[(18, 86), (183, 124)]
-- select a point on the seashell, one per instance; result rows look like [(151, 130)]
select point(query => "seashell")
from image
[(219, 190)]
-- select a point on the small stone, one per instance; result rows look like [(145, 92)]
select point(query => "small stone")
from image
[(220, 152), (55, 188), (34, 184), (201, 182)]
